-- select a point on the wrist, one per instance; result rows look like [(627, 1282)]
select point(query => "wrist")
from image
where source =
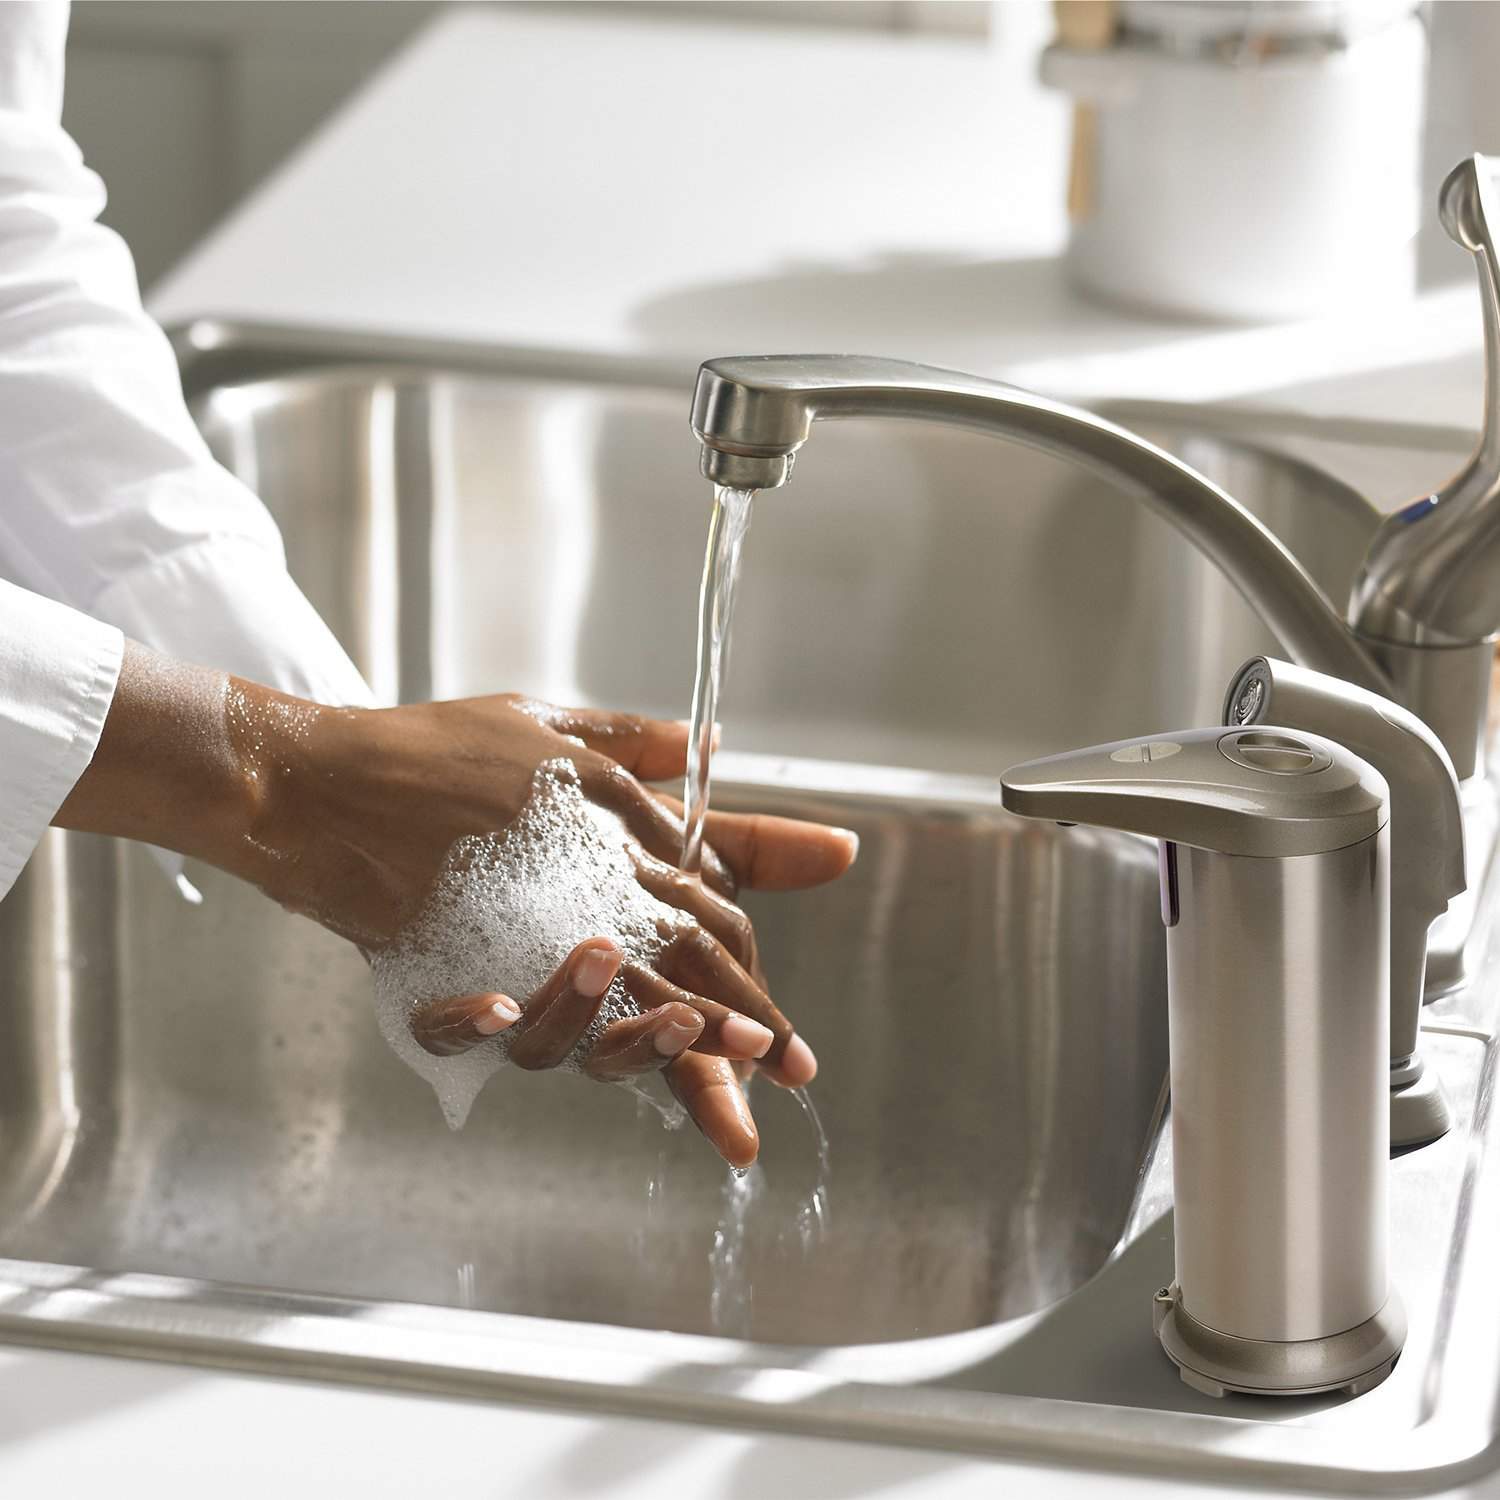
[(272, 762), (179, 764)]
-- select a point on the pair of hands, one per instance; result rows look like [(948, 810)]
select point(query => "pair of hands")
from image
[(348, 816), (468, 766)]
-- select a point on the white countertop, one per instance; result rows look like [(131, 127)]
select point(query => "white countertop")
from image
[(682, 191), (675, 191)]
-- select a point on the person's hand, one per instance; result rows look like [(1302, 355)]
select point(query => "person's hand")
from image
[(704, 1003), (694, 1040), (348, 816)]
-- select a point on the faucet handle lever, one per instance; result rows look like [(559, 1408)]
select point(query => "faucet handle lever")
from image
[(1261, 792), (1428, 578), (1465, 202), (1468, 211)]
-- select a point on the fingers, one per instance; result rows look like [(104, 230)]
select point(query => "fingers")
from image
[(651, 819), (724, 1033), (642, 1044), (707, 908), (560, 1012), (710, 1092), (652, 749), (697, 961), (446, 1027), (795, 1068), (776, 854), (675, 1020)]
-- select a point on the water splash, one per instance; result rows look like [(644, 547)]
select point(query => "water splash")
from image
[(466, 1284), (671, 1114), (731, 1292), (813, 1213)]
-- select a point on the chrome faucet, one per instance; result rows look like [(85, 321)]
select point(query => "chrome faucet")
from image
[(752, 413), (1421, 624), (1275, 867)]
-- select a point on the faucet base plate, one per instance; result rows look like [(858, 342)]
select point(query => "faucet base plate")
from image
[(1354, 1361), (1419, 1112)]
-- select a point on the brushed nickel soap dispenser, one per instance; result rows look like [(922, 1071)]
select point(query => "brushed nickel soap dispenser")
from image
[(1275, 879)]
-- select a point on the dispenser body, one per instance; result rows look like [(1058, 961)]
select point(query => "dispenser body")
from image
[(1278, 990), (1275, 859)]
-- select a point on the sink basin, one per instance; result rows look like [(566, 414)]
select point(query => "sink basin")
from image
[(208, 1154), (240, 1119)]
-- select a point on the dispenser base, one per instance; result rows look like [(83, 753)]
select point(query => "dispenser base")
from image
[(1354, 1361), (1419, 1112)]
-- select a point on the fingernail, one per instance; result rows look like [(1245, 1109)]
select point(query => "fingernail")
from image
[(746, 1038), (672, 1037), (503, 1012), (798, 1065), (594, 971), (852, 839)]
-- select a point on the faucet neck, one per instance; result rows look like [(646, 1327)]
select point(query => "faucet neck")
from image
[(752, 413)]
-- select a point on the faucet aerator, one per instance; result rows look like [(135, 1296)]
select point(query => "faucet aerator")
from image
[(745, 471)]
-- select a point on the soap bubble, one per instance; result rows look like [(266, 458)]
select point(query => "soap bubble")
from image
[(505, 913)]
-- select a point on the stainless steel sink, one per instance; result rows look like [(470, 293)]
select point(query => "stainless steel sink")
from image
[(235, 1115), (207, 1153)]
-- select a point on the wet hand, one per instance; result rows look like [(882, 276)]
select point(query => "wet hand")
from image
[(696, 1037), (349, 816)]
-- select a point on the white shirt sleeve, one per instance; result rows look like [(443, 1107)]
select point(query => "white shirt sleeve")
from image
[(109, 498), (58, 671), (110, 501)]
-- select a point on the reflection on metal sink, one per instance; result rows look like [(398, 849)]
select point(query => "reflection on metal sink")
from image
[(206, 1152)]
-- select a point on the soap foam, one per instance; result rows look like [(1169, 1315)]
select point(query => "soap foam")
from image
[(506, 911)]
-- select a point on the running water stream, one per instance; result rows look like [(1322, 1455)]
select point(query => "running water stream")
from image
[(727, 528), (731, 1289)]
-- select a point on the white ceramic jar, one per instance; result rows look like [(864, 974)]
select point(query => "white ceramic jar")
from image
[(1253, 161)]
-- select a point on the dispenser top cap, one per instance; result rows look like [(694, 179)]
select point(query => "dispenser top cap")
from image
[(1260, 791)]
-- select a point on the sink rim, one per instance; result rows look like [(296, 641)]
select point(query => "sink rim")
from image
[(213, 352)]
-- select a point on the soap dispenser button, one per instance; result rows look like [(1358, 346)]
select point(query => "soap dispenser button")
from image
[(1280, 754), (1147, 750)]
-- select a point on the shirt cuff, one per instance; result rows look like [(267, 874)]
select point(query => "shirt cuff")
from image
[(230, 604), (58, 669)]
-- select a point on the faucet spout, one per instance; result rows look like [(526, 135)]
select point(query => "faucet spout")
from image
[(753, 413)]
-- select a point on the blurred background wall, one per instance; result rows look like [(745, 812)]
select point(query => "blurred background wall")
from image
[(184, 105)]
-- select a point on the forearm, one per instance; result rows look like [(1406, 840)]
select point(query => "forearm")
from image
[(170, 767)]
